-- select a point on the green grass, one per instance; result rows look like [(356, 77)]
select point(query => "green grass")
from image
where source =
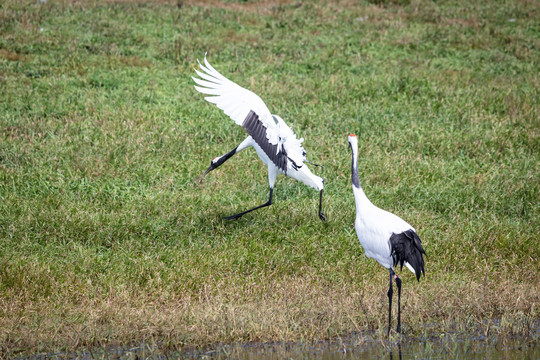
[(108, 235)]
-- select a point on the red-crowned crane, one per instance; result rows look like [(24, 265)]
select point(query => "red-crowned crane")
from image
[(384, 236), (275, 143)]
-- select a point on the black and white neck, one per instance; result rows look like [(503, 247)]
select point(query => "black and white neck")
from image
[(353, 142), (360, 197)]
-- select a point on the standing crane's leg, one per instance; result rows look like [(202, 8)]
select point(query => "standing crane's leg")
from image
[(390, 292), (398, 283), (321, 215), (272, 175)]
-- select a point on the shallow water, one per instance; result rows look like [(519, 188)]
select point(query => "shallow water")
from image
[(354, 347), (371, 349)]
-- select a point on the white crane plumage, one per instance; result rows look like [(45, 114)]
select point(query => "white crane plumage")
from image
[(275, 143), (384, 236)]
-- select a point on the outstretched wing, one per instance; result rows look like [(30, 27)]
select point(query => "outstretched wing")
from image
[(234, 100)]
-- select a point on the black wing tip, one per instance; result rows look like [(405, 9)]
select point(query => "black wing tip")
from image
[(407, 247), (418, 275)]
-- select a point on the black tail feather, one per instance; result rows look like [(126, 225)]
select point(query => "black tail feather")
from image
[(407, 247)]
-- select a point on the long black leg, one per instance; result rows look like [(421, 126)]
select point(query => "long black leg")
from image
[(214, 164), (398, 283), (390, 292), (239, 215), (321, 215)]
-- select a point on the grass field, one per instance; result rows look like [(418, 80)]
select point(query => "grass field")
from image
[(109, 236)]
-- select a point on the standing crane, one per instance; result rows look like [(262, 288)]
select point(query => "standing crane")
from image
[(384, 236), (275, 142)]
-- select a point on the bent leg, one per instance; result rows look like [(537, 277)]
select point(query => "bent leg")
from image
[(272, 174), (218, 161), (239, 215)]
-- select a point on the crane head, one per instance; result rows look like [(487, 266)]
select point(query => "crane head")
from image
[(353, 140)]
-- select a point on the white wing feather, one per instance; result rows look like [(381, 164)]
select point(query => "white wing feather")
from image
[(293, 146), (234, 100)]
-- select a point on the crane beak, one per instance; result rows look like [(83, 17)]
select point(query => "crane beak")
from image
[(210, 168)]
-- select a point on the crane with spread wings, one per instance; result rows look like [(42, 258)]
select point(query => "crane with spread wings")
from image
[(274, 141)]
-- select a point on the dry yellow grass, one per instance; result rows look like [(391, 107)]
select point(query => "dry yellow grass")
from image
[(286, 309)]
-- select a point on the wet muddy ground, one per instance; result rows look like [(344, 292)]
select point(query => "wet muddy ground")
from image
[(355, 346)]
